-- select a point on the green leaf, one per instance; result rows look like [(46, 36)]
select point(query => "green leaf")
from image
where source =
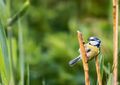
[(2, 7), (20, 13), (3, 69), (110, 79), (3, 14), (101, 60), (21, 52), (4, 57), (28, 75)]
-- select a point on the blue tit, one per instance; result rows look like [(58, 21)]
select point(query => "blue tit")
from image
[(92, 49)]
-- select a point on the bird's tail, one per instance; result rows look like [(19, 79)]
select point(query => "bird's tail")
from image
[(75, 60)]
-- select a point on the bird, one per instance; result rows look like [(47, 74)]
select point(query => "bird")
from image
[(92, 49)]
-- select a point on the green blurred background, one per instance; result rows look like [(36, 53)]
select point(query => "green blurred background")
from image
[(50, 38)]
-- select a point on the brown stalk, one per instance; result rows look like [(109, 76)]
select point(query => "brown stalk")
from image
[(84, 58), (115, 41), (98, 70)]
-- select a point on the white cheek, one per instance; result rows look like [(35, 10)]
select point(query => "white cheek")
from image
[(93, 42)]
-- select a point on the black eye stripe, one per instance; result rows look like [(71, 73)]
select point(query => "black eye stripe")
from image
[(92, 40), (89, 43)]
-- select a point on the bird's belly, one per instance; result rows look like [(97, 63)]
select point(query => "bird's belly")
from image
[(93, 53)]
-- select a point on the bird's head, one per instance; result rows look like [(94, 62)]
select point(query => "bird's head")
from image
[(94, 41)]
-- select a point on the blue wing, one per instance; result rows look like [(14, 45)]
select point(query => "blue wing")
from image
[(75, 60)]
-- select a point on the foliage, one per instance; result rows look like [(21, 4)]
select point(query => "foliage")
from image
[(47, 40)]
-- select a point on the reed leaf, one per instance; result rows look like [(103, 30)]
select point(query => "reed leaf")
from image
[(21, 52), (20, 13), (3, 12), (101, 60), (28, 75), (4, 57), (2, 68)]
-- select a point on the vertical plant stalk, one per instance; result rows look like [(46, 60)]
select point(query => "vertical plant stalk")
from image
[(19, 14), (4, 57), (9, 31), (98, 70), (28, 75), (115, 41), (21, 52), (84, 58)]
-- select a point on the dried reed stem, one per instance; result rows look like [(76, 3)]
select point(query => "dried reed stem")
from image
[(98, 70), (84, 58), (115, 41)]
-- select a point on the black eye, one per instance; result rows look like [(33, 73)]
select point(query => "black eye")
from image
[(88, 50), (89, 43)]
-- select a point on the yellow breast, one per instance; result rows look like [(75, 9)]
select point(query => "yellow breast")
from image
[(94, 51)]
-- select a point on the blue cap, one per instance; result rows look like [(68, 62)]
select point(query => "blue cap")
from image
[(94, 39)]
